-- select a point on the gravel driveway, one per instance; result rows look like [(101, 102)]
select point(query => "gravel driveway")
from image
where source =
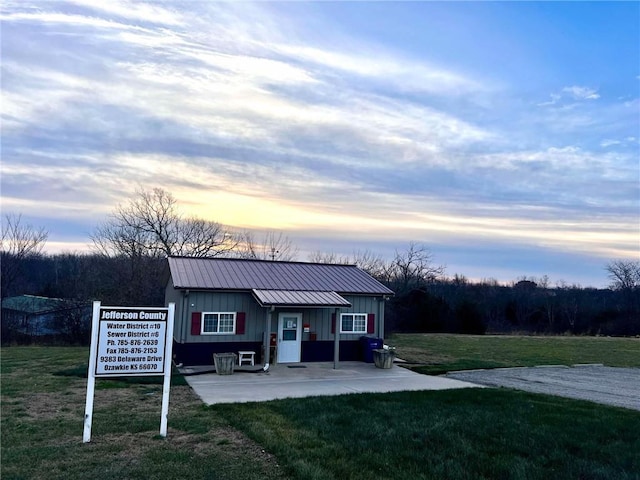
[(597, 383)]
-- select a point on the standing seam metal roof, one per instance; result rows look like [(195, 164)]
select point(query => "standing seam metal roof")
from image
[(300, 298), (237, 274)]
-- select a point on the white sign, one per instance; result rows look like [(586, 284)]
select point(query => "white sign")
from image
[(130, 341)]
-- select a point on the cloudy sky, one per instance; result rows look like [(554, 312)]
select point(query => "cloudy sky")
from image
[(504, 136)]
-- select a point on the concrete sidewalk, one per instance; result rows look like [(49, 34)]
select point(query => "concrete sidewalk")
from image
[(311, 379)]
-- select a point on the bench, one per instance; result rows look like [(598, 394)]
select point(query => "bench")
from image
[(246, 356)]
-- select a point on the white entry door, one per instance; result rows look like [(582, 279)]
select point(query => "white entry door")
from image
[(289, 337)]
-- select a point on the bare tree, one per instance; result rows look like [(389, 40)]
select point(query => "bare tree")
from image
[(624, 274), (113, 239), (139, 234), (625, 277), (73, 321), (568, 303), (328, 257), (273, 246), (490, 301), (18, 242), (151, 225), (370, 262), (203, 238), (411, 268), (414, 268)]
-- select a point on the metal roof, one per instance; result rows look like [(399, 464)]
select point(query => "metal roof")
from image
[(299, 299), (33, 304), (238, 274)]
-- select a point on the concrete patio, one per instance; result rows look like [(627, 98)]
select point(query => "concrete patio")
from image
[(251, 384)]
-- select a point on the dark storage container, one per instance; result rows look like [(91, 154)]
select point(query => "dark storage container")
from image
[(369, 344)]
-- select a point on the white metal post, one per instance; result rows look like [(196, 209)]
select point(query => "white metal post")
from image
[(167, 370), (91, 379)]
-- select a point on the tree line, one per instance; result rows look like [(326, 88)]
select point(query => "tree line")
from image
[(127, 266)]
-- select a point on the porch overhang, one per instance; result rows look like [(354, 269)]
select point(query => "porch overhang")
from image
[(299, 298)]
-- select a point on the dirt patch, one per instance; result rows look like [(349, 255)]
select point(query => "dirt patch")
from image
[(223, 439), (52, 405), (183, 396), (227, 440)]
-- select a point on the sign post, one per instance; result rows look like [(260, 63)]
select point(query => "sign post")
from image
[(167, 372), (130, 341)]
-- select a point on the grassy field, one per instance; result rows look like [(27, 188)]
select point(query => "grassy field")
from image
[(42, 423), (440, 353), (459, 434)]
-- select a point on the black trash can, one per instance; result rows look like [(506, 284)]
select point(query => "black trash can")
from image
[(369, 343)]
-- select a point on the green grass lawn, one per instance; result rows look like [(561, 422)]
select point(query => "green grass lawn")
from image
[(455, 434), (440, 353), (42, 410)]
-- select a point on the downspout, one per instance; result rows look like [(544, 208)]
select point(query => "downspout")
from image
[(381, 318), (183, 316), (266, 345), (336, 341)]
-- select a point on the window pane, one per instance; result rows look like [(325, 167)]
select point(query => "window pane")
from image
[(210, 322), (347, 323), (353, 323), (360, 323), (226, 323)]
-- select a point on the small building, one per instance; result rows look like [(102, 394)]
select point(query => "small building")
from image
[(286, 312), (36, 318)]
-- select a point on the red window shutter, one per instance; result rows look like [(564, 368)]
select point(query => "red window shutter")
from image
[(196, 318), (240, 322), (333, 323), (371, 323)]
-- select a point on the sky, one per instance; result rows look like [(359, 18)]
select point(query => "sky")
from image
[(503, 136)]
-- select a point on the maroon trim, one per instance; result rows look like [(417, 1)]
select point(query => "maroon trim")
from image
[(196, 321), (240, 322), (371, 323)]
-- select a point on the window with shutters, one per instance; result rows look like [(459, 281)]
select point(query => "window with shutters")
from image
[(353, 323), (215, 323)]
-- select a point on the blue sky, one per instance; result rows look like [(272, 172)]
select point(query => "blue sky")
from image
[(504, 136)]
